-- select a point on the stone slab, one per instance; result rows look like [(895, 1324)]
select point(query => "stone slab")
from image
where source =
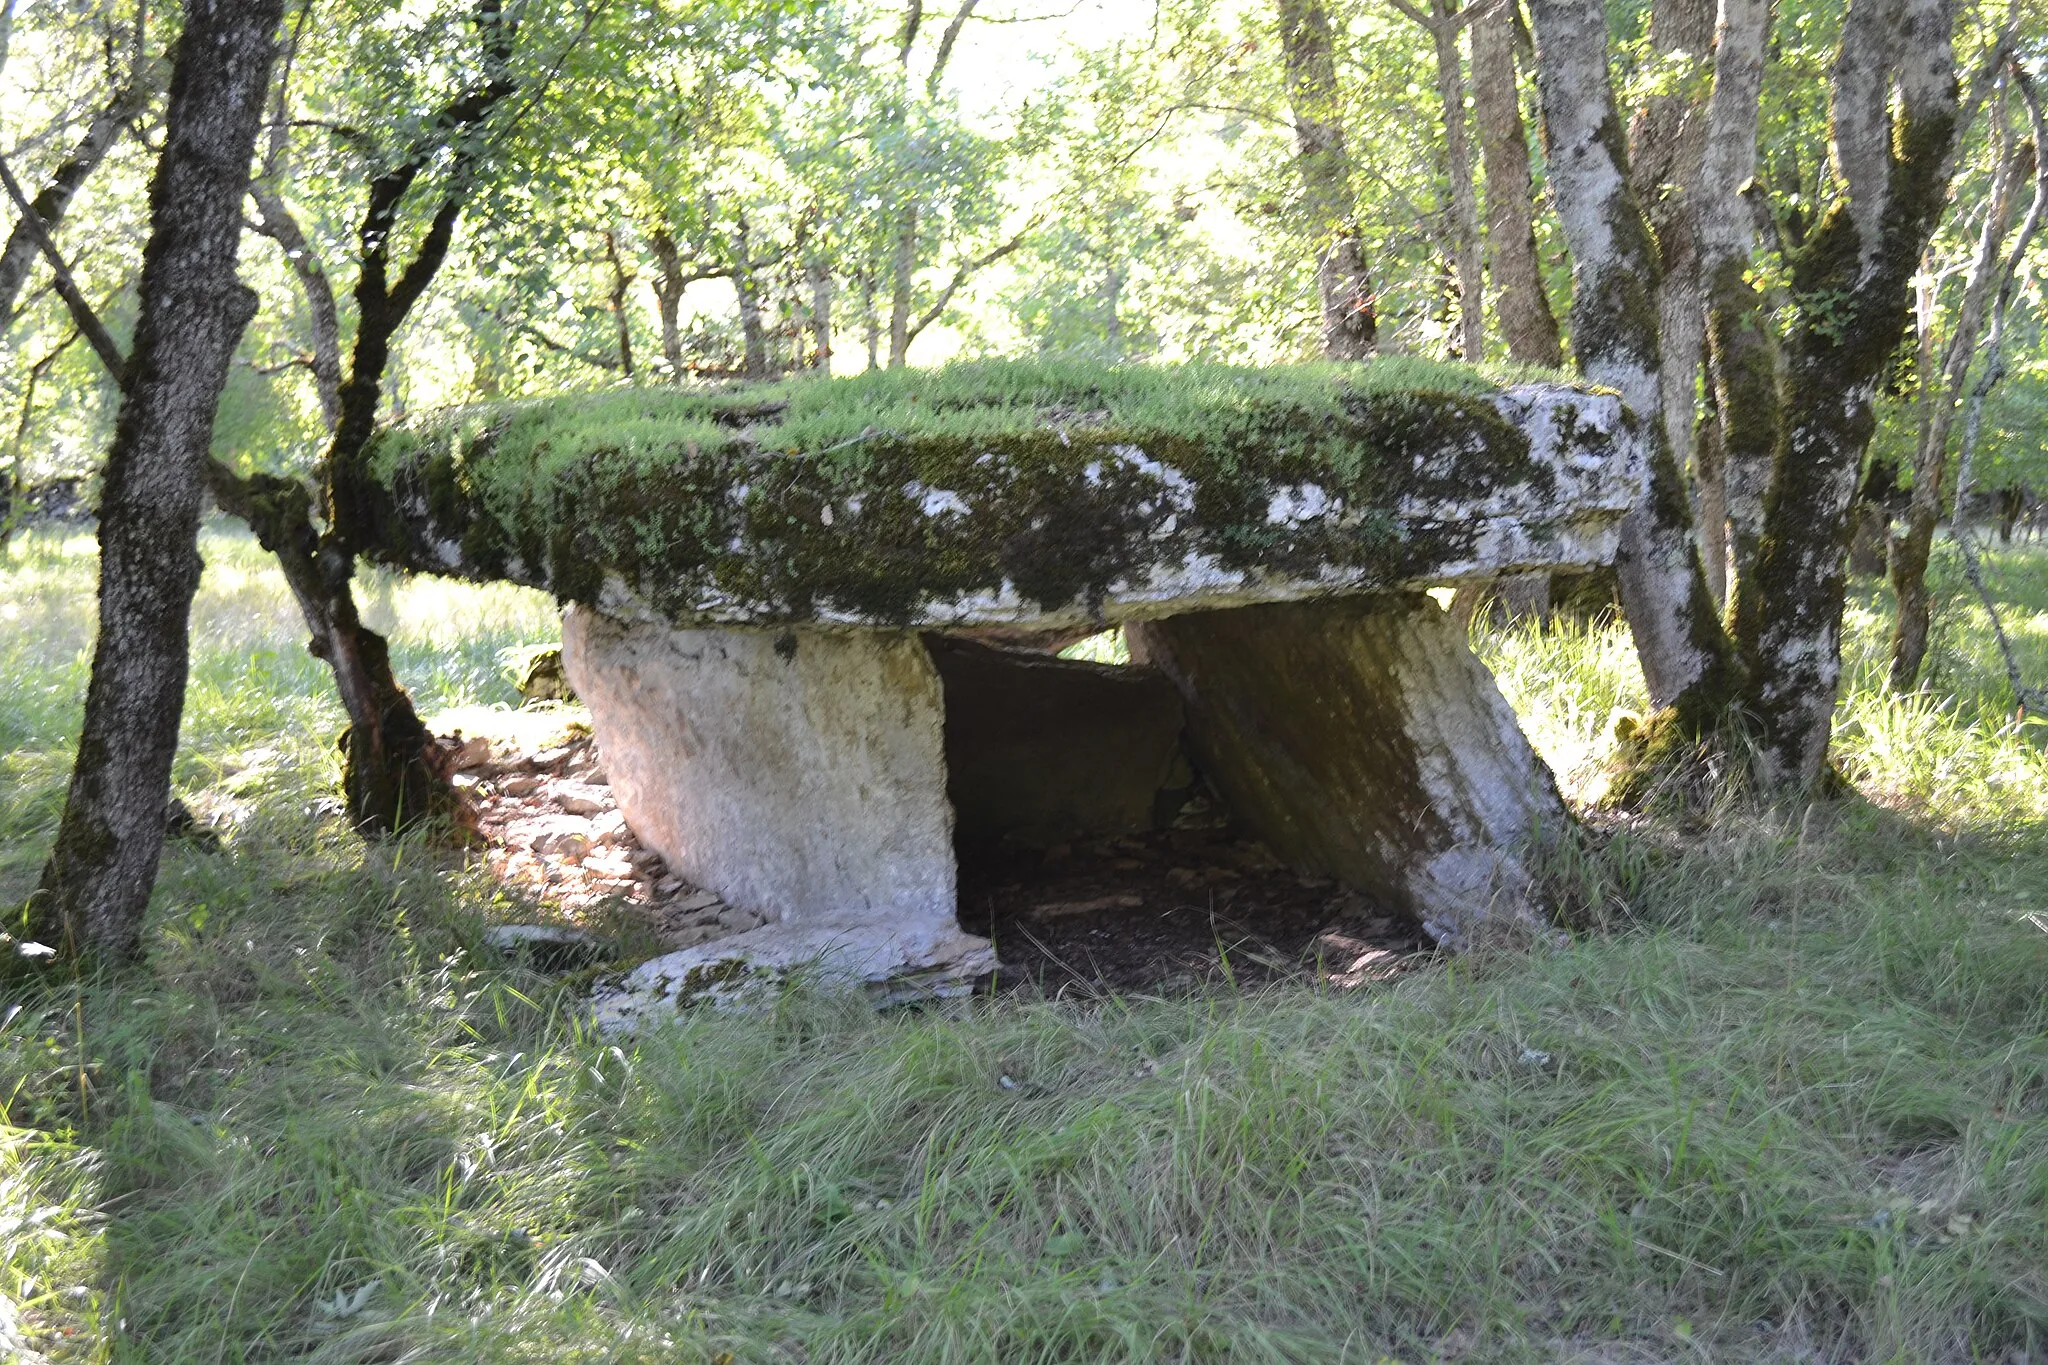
[(802, 779), (1361, 739), (1213, 488)]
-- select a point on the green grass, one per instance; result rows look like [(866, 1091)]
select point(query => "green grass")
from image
[(972, 400), (1790, 1102)]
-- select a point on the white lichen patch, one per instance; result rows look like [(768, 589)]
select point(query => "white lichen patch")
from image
[(1297, 503), (936, 502)]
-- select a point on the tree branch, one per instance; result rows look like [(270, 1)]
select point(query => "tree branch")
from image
[(951, 36), (961, 276), (276, 222), (95, 332)]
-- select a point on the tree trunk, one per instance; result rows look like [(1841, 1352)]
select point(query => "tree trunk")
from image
[(1526, 321), (194, 308), (390, 775), (390, 778), (668, 300), (1742, 352), (18, 257), (1343, 278), (819, 275), (1450, 89), (1666, 143), (2015, 167), (1687, 658), (903, 276), (274, 220), (621, 281), (1710, 500), (1894, 116), (753, 334)]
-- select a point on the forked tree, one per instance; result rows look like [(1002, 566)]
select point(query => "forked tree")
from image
[(1893, 116)]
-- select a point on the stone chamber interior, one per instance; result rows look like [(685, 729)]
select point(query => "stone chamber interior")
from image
[(1095, 855)]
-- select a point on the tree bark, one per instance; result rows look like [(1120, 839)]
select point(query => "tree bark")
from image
[(753, 333), (819, 276), (194, 308), (1894, 106), (1527, 324), (1741, 349), (275, 220), (1450, 89), (1666, 143), (2014, 167), (390, 778), (1687, 659), (902, 277), (2015, 499), (622, 280), (1343, 277), (669, 283)]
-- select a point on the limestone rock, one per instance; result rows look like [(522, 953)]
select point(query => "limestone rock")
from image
[(1201, 487), (547, 947), (893, 966), (542, 679), (581, 798), (803, 780), (1362, 739)]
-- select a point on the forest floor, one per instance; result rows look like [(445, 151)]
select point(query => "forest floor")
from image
[(1783, 1098)]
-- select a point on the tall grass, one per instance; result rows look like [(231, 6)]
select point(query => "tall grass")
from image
[(1792, 1104)]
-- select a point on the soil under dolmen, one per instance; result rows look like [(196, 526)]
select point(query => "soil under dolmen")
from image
[(772, 594)]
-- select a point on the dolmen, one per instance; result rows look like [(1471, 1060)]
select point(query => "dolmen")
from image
[(794, 612)]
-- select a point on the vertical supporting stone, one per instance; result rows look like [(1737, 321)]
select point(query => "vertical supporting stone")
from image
[(1362, 739), (801, 776)]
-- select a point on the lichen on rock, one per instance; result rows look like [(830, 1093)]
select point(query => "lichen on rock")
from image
[(1012, 491)]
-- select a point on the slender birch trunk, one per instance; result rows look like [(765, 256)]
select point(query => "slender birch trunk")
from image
[(1464, 203), (1911, 552)]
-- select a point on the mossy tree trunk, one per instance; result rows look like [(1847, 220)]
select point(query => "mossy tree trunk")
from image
[(1687, 658), (1343, 276), (1527, 324), (1894, 109), (1666, 143), (1942, 394), (1741, 349), (194, 308)]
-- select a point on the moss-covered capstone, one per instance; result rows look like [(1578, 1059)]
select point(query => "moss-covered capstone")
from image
[(1013, 491)]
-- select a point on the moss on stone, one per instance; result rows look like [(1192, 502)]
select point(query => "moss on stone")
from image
[(865, 498)]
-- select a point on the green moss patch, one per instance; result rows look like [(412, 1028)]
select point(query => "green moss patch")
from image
[(884, 497)]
